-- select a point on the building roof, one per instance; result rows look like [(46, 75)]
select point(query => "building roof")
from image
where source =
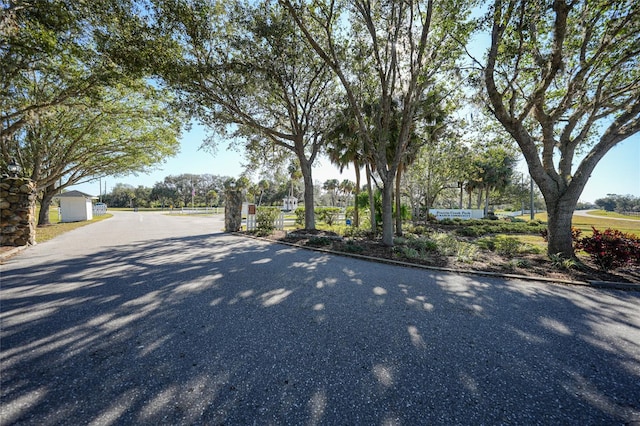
[(75, 194)]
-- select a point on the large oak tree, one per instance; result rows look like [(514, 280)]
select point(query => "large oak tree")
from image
[(123, 129), (563, 78), (244, 70)]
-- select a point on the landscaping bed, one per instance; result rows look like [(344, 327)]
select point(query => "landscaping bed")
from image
[(447, 246)]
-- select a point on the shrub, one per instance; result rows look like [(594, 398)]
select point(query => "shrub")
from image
[(612, 248), (328, 215), (466, 252), (507, 246), (408, 252), (447, 244), (518, 263), (319, 241), (349, 213), (352, 247), (486, 243), (562, 263), (299, 216), (265, 218)]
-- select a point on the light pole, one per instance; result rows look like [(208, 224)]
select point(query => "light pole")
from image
[(14, 168), (533, 213)]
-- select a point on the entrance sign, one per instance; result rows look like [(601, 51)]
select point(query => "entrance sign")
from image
[(464, 214)]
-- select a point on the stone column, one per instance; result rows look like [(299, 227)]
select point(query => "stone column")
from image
[(233, 210), (17, 212)]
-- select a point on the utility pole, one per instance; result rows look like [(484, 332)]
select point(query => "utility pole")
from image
[(533, 213)]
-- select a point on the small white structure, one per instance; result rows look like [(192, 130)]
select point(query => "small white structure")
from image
[(75, 206), (289, 204)]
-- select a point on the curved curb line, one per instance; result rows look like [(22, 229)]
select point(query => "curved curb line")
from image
[(9, 253), (608, 285)]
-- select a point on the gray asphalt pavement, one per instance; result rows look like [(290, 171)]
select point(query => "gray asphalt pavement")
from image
[(148, 319)]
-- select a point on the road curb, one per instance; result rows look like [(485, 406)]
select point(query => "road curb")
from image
[(604, 285), (10, 253)]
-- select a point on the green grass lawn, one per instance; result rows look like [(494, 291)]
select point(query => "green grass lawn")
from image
[(584, 223), (612, 215), (46, 233)]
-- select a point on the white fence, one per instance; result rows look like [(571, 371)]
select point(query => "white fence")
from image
[(202, 210), (251, 222), (99, 209)]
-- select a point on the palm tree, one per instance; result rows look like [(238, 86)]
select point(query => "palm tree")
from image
[(344, 148), (263, 185), (347, 187), (331, 185)]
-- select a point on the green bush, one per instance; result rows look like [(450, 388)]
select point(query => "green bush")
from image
[(319, 242), (507, 246), (446, 244), (299, 212), (352, 247), (486, 243), (467, 252), (265, 218), (328, 215)]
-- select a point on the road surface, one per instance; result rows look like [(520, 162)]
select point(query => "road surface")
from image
[(149, 319)]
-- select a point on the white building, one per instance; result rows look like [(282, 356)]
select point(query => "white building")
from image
[(289, 203), (75, 206)]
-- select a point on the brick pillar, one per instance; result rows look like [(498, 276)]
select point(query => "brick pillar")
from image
[(17, 212)]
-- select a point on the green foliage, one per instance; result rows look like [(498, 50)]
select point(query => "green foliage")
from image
[(611, 248), (560, 262), (467, 252), (265, 218), (352, 247), (507, 246), (349, 213), (619, 203), (319, 242), (518, 263), (576, 65), (478, 228), (415, 246), (328, 215), (447, 244), (299, 216)]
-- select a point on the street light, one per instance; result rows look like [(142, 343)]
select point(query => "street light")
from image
[(14, 168)]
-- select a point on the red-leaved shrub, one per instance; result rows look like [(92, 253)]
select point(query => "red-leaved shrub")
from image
[(611, 248)]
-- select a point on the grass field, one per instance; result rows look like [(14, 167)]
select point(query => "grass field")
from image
[(584, 223), (613, 215)]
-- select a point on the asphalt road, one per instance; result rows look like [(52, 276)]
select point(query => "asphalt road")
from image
[(148, 319)]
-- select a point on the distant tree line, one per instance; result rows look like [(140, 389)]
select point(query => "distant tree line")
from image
[(619, 203)]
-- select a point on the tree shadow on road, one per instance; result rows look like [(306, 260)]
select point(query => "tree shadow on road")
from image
[(217, 329)]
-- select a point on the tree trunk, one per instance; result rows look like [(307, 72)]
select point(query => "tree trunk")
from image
[(559, 218), (387, 211), (398, 204), (356, 214), (486, 201), (309, 214), (372, 202), (45, 204)]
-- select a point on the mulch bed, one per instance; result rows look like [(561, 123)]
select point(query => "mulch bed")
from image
[(531, 265)]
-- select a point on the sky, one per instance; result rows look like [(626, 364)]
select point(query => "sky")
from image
[(617, 173)]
